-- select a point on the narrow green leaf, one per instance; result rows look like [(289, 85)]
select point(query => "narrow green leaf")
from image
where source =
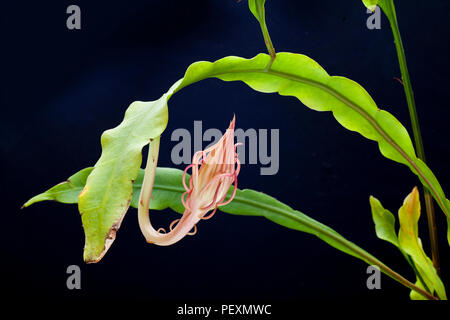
[(254, 203), (65, 192), (384, 222), (299, 76), (167, 190), (167, 193), (385, 230), (108, 191), (410, 242)]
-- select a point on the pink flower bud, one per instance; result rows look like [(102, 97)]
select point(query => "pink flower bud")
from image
[(214, 170)]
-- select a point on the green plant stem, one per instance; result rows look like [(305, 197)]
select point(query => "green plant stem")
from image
[(265, 32), (416, 169), (389, 9)]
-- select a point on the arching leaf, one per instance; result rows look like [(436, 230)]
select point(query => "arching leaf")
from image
[(410, 242), (64, 192), (299, 76), (384, 222), (107, 195), (168, 189)]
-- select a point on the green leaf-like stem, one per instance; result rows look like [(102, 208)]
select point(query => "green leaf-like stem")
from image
[(167, 191), (408, 241), (299, 76), (258, 10)]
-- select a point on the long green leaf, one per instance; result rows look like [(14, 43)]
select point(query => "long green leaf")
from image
[(384, 222), (299, 76), (167, 191), (385, 230), (108, 191), (164, 193), (410, 242), (64, 192)]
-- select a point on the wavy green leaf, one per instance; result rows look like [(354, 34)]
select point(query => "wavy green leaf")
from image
[(299, 76), (384, 222), (410, 242), (385, 230), (108, 191), (167, 191), (164, 196)]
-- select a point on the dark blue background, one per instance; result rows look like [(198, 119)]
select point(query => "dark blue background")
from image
[(61, 89)]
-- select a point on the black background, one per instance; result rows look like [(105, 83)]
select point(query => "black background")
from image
[(62, 88)]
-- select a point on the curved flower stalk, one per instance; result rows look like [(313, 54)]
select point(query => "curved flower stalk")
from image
[(214, 170)]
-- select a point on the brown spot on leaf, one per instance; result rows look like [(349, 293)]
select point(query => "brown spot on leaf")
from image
[(109, 239)]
